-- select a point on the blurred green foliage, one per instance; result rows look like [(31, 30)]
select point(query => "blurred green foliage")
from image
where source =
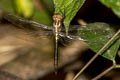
[(24, 8), (113, 4), (27, 9), (49, 5)]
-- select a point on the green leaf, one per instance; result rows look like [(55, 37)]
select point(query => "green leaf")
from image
[(111, 52), (96, 35), (67, 9), (113, 4)]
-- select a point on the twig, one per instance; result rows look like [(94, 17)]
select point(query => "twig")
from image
[(32, 25), (105, 72), (98, 53), (21, 22)]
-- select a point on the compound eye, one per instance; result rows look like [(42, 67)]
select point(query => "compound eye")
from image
[(58, 17), (54, 17)]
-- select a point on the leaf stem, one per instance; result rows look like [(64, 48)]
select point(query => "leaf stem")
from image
[(98, 53)]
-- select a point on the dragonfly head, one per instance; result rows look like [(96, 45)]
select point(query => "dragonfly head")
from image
[(57, 23), (57, 17)]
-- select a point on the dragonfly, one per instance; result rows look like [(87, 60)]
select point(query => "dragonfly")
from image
[(57, 27), (35, 29)]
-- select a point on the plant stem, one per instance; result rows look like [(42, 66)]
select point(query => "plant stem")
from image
[(98, 53), (106, 71)]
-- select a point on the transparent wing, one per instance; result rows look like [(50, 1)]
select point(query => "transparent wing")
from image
[(36, 32), (46, 37), (34, 37), (72, 40)]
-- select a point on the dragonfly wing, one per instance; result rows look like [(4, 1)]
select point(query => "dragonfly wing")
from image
[(35, 37), (71, 38), (72, 28), (27, 36)]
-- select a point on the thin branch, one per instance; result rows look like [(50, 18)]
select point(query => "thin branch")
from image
[(105, 72), (98, 53), (32, 25), (21, 22)]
